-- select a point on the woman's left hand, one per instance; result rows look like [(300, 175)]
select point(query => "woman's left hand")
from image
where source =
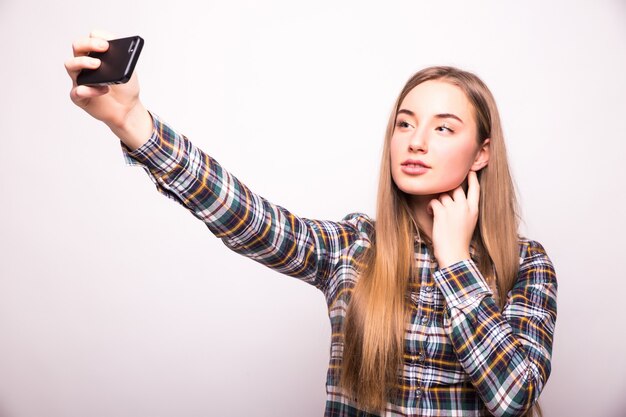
[(454, 221)]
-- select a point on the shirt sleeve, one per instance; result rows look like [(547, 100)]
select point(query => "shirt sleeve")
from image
[(506, 354), (246, 222)]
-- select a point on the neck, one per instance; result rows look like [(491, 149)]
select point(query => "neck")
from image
[(419, 207)]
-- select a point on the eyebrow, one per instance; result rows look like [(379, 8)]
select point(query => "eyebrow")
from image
[(437, 116)]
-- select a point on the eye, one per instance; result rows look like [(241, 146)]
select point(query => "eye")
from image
[(444, 127), (403, 124)]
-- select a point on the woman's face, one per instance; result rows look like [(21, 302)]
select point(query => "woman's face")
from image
[(434, 144)]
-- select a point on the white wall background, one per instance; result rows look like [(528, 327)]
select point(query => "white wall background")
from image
[(116, 302)]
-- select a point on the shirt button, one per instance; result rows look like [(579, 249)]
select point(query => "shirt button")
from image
[(418, 393), (421, 357), (424, 319), (428, 288)]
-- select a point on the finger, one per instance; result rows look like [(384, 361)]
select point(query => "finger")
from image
[(76, 64), (458, 194), (473, 189), (85, 92), (86, 45), (102, 34), (445, 199), (433, 206)]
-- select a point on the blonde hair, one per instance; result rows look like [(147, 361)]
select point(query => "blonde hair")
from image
[(375, 320)]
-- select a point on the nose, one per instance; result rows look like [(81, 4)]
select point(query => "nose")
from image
[(418, 142)]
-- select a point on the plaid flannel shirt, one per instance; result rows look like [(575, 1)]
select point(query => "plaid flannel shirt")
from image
[(462, 355)]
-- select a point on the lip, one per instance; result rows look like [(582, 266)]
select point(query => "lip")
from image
[(415, 162), (414, 167)]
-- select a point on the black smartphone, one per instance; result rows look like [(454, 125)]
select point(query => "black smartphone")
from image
[(117, 63)]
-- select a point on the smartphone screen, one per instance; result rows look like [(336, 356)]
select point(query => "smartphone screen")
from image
[(117, 63)]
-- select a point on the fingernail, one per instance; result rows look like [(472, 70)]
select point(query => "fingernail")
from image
[(101, 43)]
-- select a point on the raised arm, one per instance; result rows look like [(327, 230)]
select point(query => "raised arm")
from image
[(246, 222)]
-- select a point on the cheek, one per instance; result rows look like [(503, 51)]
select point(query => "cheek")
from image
[(394, 157), (393, 149), (455, 164)]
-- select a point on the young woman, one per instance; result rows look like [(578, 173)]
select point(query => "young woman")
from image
[(437, 308)]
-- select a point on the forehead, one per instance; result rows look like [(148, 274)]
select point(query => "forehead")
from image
[(437, 97)]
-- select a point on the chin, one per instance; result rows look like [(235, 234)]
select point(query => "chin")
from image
[(423, 190)]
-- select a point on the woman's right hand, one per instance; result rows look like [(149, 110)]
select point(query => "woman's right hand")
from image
[(118, 106)]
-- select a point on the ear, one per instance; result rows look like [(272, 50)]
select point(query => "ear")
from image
[(482, 156)]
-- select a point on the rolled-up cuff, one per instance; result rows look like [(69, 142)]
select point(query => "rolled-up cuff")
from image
[(461, 283), (161, 153)]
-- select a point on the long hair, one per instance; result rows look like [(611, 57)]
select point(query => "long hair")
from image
[(377, 313)]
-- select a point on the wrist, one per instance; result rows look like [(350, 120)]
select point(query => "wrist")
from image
[(447, 260), (135, 129)]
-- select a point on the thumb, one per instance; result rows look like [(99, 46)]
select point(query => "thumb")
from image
[(102, 34)]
